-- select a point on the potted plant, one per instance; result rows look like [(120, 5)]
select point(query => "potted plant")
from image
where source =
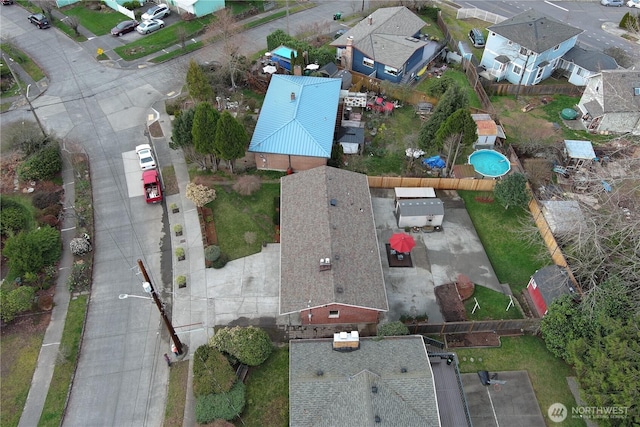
[(180, 254), (174, 208), (177, 229), (181, 281)]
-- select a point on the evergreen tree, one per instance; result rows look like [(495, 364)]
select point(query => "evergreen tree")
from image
[(512, 191), (452, 100), (459, 122), (205, 121), (181, 135), (197, 84), (230, 140)]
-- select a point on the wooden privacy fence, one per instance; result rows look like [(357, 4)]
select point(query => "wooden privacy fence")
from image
[(437, 183), (535, 90), (475, 82), (500, 327)]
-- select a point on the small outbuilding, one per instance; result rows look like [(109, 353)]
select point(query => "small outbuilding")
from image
[(351, 139), (546, 285), (563, 216), (414, 193), (489, 132), (578, 153), (419, 212)]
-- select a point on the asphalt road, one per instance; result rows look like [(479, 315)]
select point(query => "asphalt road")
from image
[(121, 377)]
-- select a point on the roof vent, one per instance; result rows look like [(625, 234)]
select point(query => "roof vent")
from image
[(377, 419), (319, 372), (403, 370), (333, 202), (293, 96), (339, 289), (374, 389)]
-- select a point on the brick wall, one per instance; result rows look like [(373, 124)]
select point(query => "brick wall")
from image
[(280, 162), (346, 314)]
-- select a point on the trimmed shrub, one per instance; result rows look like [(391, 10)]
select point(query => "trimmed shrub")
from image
[(250, 345), (15, 217), (226, 406), (222, 260), (15, 302), (199, 194), (43, 200), (392, 329), (212, 373), (212, 253), (42, 165), (29, 252)]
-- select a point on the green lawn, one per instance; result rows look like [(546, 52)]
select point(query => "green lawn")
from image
[(548, 374), (17, 370), (99, 23), (66, 363), (460, 78), (513, 260), (236, 215), (25, 62), (268, 393), (493, 305), (163, 38)]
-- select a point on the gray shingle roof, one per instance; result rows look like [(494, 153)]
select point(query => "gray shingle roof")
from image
[(418, 207), (387, 39), (552, 281), (311, 228), (343, 396), (535, 31), (590, 60), (618, 91)]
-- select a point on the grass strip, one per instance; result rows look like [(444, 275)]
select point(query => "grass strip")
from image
[(178, 52), (547, 373), (512, 258), (176, 394), (65, 364), (23, 60)]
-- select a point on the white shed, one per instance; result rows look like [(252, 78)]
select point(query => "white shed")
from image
[(488, 131), (419, 212), (414, 192)]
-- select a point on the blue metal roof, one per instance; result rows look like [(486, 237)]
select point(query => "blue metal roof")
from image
[(301, 124)]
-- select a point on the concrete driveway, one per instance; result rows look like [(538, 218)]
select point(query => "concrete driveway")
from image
[(437, 258)]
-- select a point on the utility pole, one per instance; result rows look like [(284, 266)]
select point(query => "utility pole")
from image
[(154, 295), (4, 57)]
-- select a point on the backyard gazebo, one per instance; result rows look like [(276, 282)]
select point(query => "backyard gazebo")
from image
[(578, 153)]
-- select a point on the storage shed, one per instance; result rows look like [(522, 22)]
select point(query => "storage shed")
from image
[(546, 285), (414, 192), (419, 212), (579, 153), (489, 132), (351, 139)]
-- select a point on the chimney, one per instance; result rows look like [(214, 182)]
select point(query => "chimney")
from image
[(297, 70), (347, 56), (325, 264), (293, 96), (370, 18)]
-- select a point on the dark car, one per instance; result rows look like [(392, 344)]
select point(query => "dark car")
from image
[(7, 1), (124, 27), (39, 20), (476, 37)]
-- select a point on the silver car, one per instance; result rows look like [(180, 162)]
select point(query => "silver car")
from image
[(150, 26)]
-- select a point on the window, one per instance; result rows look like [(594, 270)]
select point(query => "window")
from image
[(367, 62), (391, 70), (334, 314), (556, 47), (636, 91), (540, 71), (582, 72), (517, 69), (524, 51)]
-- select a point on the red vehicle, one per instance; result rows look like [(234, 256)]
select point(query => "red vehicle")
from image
[(379, 105), (152, 186)]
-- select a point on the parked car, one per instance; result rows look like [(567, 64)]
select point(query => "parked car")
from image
[(152, 186), (339, 33), (150, 26), (634, 3), (124, 27), (145, 156), (7, 1), (39, 20), (614, 3), (156, 12), (476, 37)]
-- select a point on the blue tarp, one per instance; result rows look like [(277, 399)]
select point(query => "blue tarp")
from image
[(434, 162)]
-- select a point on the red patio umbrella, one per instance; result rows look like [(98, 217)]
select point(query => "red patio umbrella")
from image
[(402, 242)]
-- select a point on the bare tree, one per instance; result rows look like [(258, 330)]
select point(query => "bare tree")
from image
[(228, 31), (47, 6), (73, 22), (181, 33)]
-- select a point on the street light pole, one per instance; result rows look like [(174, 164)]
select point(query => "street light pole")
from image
[(167, 322), (23, 94)]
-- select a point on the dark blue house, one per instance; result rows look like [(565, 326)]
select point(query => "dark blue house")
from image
[(387, 45)]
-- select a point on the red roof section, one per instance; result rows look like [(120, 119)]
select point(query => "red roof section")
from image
[(538, 301)]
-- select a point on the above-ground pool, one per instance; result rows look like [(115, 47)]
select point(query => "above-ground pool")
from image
[(489, 163)]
